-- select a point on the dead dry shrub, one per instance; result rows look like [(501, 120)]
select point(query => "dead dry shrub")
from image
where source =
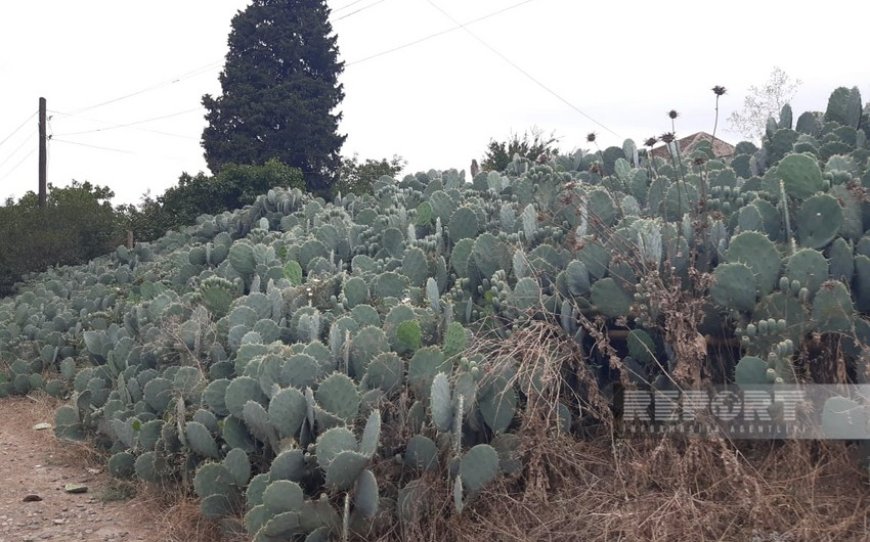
[(603, 487), (682, 491), (176, 517)]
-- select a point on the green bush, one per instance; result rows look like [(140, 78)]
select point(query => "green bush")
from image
[(234, 187), (77, 224), (532, 145), (357, 177)]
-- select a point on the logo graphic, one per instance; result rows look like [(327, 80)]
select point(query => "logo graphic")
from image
[(777, 411)]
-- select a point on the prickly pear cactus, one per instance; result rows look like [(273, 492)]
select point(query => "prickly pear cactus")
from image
[(279, 356)]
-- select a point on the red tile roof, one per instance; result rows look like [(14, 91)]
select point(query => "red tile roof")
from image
[(721, 149)]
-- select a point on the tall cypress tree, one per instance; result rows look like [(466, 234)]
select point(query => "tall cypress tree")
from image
[(279, 92)]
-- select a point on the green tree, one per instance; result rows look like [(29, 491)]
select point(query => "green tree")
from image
[(280, 90), (234, 187), (147, 220), (532, 145), (357, 177), (77, 224)]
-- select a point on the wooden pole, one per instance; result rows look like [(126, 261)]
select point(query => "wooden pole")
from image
[(42, 153)]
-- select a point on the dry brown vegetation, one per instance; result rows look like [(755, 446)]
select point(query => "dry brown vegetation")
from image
[(176, 517), (605, 487), (666, 491), (700, 490)]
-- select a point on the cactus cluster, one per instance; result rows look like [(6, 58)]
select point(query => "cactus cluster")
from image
[(254, 352)]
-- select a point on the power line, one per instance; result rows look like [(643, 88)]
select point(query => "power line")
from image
[(92, 146), (180, 78), (17, 165), (109, 125), (19, 147), (355, 2), (112, 149), (15, 131), (138, 128), (352, 13), (130, 124), (49, 135), (437, 34), (520, 69)]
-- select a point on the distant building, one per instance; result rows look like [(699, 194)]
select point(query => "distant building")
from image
[(721, 149)]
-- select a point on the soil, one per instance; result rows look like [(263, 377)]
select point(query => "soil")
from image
[(34, 470)]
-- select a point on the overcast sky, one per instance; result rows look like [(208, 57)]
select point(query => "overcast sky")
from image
[(105, 63)]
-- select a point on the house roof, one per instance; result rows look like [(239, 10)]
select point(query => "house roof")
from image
[(721, 149)]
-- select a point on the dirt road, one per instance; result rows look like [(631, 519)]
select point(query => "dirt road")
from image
[(34, 471)]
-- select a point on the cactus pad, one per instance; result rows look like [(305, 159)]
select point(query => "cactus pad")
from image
[(479, 466), (818, 221)]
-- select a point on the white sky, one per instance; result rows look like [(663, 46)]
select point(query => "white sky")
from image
[(437, 103)]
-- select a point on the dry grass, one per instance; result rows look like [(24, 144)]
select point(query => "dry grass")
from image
[(176, 517), (40, 407), (672, 491), (606, 488)]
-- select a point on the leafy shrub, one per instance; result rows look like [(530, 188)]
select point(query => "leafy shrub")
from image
[(234, 187), (532, 145), (77, 224), (357, 178)]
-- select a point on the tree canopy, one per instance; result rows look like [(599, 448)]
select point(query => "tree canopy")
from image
[(358, 177), (532, 145), (234, 187), (280, 90), (76, 224)]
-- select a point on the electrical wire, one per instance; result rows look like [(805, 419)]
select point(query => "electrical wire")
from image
[(17, 165), (49, 133), (19, 147), (137, 128), (520, 69), (134, 123), (92, 146), (437, 34), (15, 131), (352, 13), (150, 155), (355, 2), (193, 73)]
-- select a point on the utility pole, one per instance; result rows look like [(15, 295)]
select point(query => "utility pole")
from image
[(42, 159)]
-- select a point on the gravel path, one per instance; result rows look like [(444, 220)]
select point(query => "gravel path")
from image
[(34, 505)]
